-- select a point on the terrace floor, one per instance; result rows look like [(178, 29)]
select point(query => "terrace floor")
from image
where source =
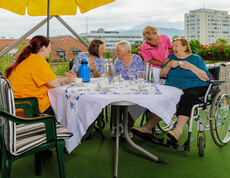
[(93, 158)]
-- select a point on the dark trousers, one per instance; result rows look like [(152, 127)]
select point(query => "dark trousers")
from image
[(189, 99), (49, 111)]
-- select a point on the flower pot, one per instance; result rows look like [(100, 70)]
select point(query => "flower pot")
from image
[(213, 58)]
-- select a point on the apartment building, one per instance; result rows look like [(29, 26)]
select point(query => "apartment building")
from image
[(207, 25), (111, 38)]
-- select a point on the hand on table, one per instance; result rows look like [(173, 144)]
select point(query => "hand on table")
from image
[(70, 73)]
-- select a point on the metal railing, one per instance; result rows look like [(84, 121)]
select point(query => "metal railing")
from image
[(59, 64), (59, 61)]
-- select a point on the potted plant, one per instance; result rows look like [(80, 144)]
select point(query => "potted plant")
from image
[(215, 51)]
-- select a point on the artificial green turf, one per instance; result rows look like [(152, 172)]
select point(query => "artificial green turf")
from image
[(93, 158)]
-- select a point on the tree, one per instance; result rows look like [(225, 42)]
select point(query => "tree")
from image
[(194, 45), (220, 40), (21, 47), (108, 54), (177, 36), (86, 40)]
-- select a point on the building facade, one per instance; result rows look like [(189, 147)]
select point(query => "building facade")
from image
[(111, 38), (66, 47), (62, 47), (207, 25)]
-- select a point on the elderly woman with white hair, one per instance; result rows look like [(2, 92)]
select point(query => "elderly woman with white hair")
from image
[(126, 60)]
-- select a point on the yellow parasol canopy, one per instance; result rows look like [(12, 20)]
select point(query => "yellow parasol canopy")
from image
[(57, 7)]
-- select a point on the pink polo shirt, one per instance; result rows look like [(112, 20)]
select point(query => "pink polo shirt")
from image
[(148, 52)]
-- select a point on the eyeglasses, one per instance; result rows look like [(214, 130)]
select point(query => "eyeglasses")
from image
[(151, 39)]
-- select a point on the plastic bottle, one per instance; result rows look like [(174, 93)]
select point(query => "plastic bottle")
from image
[(84, 71)]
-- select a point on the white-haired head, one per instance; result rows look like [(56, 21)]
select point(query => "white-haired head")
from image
[(124, 45)]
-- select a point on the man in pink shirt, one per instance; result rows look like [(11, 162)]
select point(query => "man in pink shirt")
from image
[(155, 49)]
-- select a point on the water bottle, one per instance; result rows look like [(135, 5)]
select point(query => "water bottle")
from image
[(84, 71)]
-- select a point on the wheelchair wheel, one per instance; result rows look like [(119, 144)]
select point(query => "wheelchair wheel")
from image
[(219, 123), (166, 127), (201, 145)]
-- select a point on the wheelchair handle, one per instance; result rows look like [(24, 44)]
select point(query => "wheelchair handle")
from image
[(216, 81)]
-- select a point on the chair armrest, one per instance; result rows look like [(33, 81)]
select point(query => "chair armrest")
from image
[(49, 121), (33, 102), (27, 108), (210, 91)]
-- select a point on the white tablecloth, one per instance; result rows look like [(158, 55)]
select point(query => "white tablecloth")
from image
[(76, 108)]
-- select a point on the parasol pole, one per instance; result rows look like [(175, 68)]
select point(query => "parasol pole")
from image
[(48, 17)]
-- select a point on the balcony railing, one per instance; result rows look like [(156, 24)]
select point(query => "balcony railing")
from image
[(58, 63)]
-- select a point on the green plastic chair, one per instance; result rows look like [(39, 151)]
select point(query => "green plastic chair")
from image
[(29, 105), (14, 145)]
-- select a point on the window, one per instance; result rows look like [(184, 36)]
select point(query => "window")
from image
[(60, 53), (76, 51)]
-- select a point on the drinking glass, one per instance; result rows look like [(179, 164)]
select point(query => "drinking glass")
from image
[(123, 73), (117, 79), (132, 76), (140, 79)]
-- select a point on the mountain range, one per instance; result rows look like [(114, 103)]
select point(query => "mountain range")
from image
[(168, 28)]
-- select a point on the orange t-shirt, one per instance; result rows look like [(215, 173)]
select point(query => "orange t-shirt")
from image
[(29, 79)]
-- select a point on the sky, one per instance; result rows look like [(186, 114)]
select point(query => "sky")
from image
[(121, 14)]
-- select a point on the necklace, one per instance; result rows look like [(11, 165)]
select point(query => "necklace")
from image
[(127, 63)]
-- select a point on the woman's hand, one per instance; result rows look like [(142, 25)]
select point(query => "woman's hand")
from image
[(186, 65), (165, 61), (171, 64), (70, 73), (94, 69), (62, 80), (71, 76), (201, 74)]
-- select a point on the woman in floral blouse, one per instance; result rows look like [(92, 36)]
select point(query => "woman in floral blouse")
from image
[(94, 56), (126, 60)]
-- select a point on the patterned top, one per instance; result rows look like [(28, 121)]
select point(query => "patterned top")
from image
[(136, 64), (85, 55)]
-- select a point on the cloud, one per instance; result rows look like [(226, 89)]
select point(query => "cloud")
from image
[(121, 14)]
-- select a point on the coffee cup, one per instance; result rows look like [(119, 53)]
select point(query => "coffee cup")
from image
[(102, 82), (103, 85), (78, 81), (180, 62)]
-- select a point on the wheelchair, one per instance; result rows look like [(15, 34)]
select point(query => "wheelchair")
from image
[(212, 113)]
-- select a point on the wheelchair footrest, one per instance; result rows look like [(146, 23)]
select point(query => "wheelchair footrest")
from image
[(169, 143), (154, 139)]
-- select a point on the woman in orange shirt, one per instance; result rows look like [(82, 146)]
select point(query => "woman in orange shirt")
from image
[(31, 75)]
